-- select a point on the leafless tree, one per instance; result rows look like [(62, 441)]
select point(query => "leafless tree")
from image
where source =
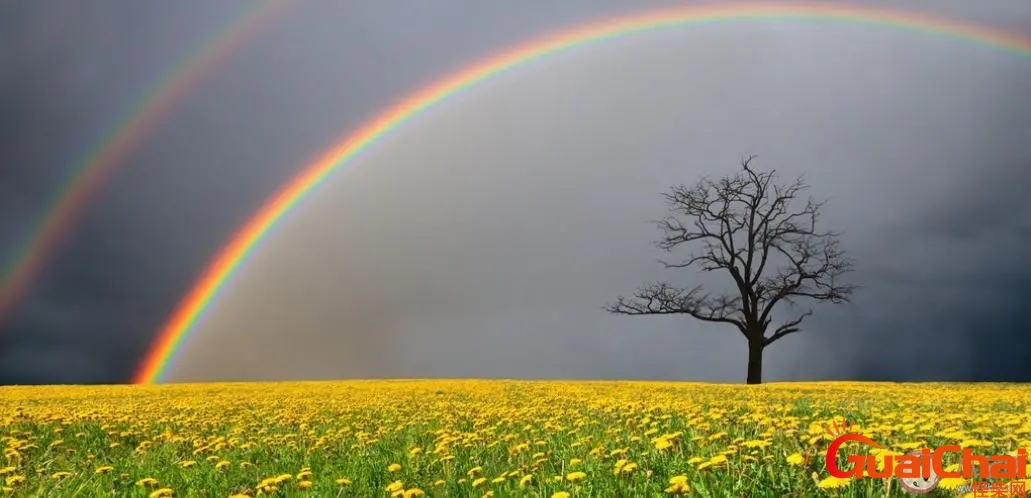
[(765, 239)]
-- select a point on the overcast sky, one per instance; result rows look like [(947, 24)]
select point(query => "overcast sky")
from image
[(483, 238)]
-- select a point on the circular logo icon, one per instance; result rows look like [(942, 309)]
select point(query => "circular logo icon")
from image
[(919, 485)]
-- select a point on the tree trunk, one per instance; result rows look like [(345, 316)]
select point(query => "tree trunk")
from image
[(755, 362)]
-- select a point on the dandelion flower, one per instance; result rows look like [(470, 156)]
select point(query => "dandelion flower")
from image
[(834, 483), (677, 489)]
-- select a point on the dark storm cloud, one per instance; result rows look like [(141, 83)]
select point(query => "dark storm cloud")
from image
[(966, 285), (70, 73), (407, 269)]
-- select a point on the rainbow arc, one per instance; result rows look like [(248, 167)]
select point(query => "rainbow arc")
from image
[(248, 237)]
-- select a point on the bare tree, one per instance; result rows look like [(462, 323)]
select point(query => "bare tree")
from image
[(760, 234)]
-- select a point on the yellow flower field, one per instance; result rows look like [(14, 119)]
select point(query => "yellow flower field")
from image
[(482, 438)]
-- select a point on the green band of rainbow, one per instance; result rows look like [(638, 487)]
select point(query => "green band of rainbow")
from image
[(92, 170), (244, 241)]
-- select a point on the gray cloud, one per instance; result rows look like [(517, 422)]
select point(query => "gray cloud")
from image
[(483, 238)]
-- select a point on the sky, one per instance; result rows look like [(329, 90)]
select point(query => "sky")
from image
[(483, 238)]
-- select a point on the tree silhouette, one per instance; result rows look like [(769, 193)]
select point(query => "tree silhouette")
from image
[(759, 234)]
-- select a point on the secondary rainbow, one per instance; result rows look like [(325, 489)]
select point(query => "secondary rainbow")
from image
[(245, 240), (99, 162)]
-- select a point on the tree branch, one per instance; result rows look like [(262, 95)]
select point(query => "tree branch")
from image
[(663, 299), (786, 329)]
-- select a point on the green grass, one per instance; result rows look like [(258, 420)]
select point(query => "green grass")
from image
[(725, 440)]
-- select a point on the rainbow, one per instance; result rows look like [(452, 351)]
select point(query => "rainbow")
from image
[(234, 254), (89, 172)]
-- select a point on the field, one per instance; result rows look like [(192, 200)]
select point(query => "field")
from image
[(482, 438)]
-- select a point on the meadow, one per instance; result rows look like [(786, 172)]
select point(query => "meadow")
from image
[(469, 438)]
